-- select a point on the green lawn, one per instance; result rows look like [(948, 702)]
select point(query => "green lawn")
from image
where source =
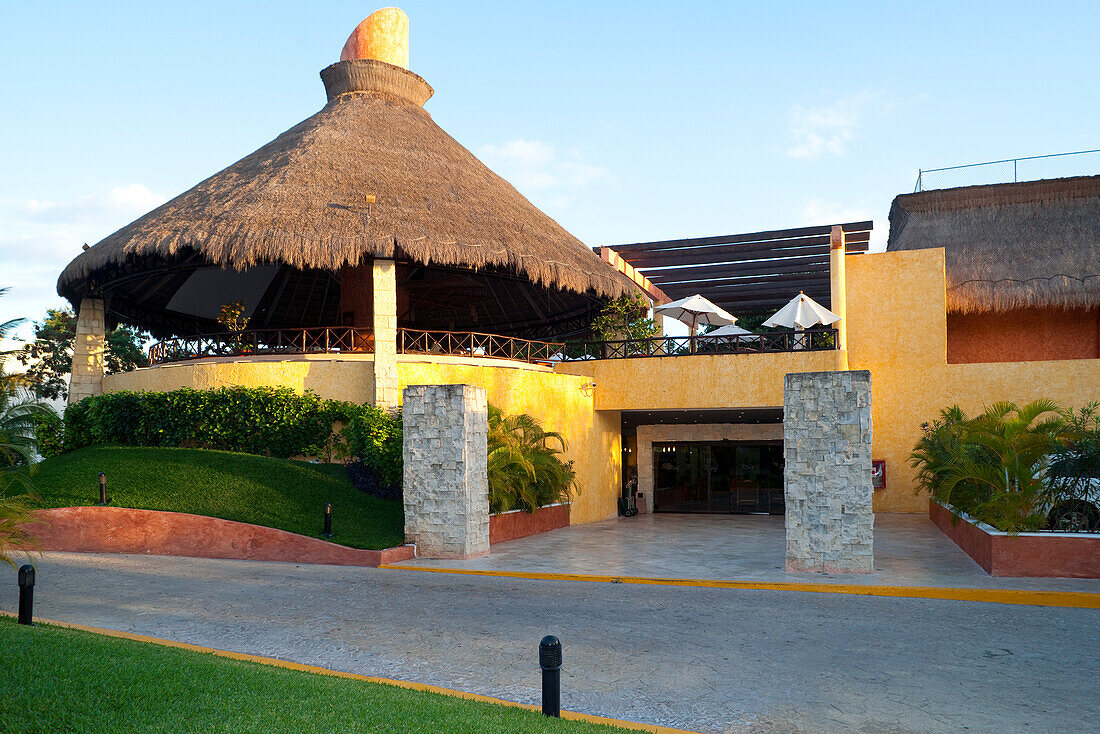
[(288, 495), (61, 681)]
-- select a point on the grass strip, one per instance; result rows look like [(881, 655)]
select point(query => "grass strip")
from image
[(67, 681)]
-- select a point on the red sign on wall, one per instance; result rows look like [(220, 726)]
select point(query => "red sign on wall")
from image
[(878, 473)]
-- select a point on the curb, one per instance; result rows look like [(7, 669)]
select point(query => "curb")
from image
[(1071, 599)]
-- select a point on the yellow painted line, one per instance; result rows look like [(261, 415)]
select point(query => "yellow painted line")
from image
[(1075, 599), (409, 685)]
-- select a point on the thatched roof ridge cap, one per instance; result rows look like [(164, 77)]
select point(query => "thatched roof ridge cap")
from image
[(1000, 194), (372, 76)]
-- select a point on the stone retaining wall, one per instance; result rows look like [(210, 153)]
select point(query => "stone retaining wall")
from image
[(152, 532)]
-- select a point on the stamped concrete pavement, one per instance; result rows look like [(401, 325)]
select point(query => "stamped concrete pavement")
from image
[(712, 660)]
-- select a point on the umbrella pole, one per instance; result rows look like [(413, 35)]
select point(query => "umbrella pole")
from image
[(692, 342)]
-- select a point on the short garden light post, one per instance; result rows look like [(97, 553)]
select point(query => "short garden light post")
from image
[(26, 593), (328, 521), (102, 489), (550, 662)]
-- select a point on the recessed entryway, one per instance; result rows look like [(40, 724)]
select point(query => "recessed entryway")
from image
[(739, 477)]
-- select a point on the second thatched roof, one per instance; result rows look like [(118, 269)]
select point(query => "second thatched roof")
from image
[(1008, 246), (302, 200)]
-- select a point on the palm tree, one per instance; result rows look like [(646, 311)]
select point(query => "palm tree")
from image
[(524, 468), (1016, 442), (18, 417)]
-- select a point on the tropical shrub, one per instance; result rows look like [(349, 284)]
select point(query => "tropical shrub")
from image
[(49, 432), (524, 465), (992, 466), (18, 416), (374, 437), (624, 318), (1073, 477), (269, 421)]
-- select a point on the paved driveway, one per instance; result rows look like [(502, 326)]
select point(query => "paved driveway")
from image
[(706, 659)]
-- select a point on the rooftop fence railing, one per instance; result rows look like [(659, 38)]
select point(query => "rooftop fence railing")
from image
[(1011, 170), (352, 340)]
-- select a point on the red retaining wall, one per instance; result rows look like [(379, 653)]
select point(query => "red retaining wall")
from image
[(519, 524), (123, 530), (1067, 555)]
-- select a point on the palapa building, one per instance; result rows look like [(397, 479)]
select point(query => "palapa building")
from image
[(373, 252), (1023, 266)]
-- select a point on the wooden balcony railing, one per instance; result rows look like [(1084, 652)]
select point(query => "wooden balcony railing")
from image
[(473, 344), (318, 340), (811, 340), (352, 340)]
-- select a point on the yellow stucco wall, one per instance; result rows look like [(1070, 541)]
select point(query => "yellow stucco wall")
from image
[(341, 379), (700, 381), (897, 329), (560, 404)]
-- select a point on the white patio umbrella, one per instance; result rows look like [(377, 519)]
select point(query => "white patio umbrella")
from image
[(800, 313), (695, 310), (731, 330)]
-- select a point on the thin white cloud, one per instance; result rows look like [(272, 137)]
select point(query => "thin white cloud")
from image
[(820, 211), (39, 237), (825, 129), (531, 165)]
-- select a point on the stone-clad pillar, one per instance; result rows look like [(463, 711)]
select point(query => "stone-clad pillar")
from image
[(446, 488), (827, 471), (384, 278), (86, 377)]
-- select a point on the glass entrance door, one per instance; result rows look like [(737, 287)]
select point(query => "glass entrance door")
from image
[(743, 477)]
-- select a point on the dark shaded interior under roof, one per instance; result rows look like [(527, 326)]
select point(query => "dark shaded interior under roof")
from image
[(182, 296)]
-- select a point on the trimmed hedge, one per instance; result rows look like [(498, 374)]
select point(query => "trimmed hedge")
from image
[(268, 421)]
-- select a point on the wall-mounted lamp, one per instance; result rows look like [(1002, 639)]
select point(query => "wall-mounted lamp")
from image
[(587, 389)]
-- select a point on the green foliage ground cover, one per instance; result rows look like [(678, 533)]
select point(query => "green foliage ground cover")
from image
[(277, 493), (61, 681)]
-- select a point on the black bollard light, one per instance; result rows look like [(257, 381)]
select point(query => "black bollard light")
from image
[(550, 662), (102, 489), (328, 521), (26, 594)]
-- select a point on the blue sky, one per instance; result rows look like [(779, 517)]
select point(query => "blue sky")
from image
[(625, 121)]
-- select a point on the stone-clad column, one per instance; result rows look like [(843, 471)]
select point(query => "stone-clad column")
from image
[(446, 488), (86, 377), (384, 278), (827, 471)]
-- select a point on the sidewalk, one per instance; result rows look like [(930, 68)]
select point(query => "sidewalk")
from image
[(909, 551)]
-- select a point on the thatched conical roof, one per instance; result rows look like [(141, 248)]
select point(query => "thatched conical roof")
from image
[(1008, 246), (301, 200)]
